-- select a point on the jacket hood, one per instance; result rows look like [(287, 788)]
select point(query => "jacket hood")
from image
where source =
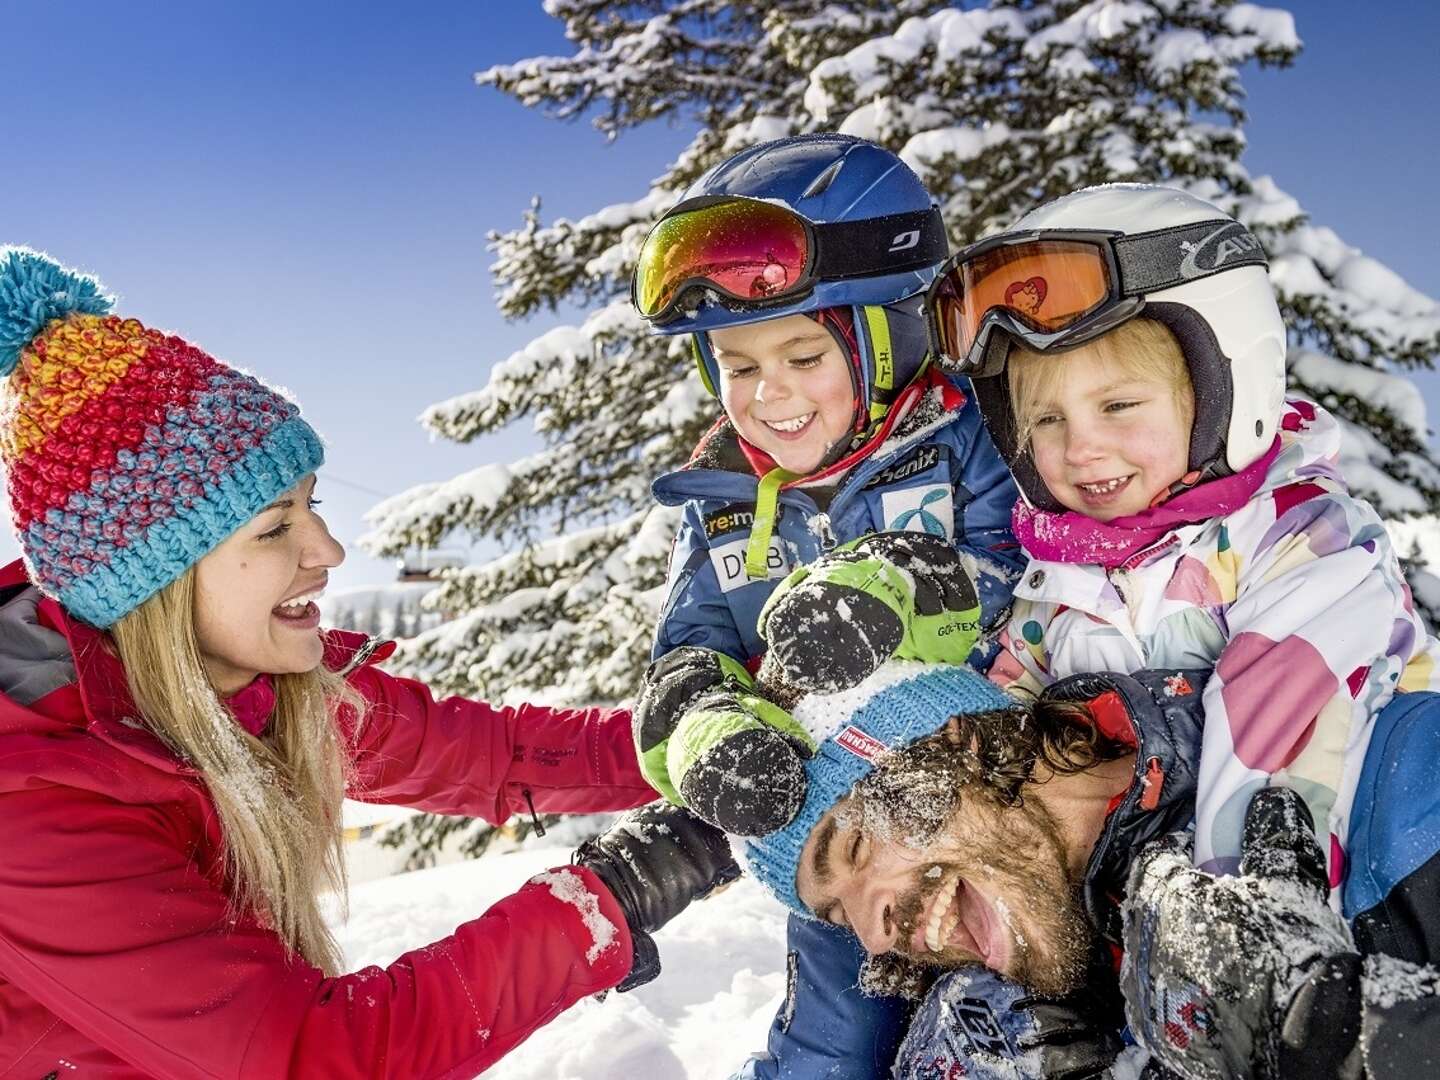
[(1161, 711)]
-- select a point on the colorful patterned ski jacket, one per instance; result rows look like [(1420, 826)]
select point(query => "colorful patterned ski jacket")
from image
[(937, 471), (120, 956), (1295, 599)]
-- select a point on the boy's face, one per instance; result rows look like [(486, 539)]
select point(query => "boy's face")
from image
[(1107, 444), (786, 386)]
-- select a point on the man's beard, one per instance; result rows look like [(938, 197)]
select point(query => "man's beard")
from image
[(1036, 896)]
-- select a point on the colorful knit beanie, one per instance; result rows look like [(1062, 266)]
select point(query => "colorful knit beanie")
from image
[(129, 454), (899, 703)]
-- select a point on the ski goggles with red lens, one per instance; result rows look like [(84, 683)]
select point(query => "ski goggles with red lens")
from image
[(1054, 288), (753, 254)]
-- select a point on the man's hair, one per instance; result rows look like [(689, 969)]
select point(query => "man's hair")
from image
[(914, 790)]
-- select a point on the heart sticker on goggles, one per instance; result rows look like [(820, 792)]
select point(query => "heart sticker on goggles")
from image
[(1027, 295)]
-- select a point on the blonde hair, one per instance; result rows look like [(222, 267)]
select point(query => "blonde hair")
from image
[(1138, 349), (278, 796)]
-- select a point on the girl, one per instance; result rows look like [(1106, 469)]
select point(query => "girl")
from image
[(176, 735), (1177, 510)]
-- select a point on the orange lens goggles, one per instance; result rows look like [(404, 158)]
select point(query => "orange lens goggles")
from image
[(1054, 288), (1044, 286)]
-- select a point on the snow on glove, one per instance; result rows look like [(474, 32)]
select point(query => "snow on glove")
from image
[(671, 685), (893, 594), (655, 861), (738, 761), (977, 1024), (1248, 976)]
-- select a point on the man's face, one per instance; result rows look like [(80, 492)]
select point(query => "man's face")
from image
[(992, 886)]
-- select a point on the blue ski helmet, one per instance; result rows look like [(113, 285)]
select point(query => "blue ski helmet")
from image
[(833, 180)]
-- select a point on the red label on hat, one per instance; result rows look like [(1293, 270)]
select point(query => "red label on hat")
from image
[(860, 744)]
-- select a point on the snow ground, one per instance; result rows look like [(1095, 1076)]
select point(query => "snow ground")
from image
[(722, 981)]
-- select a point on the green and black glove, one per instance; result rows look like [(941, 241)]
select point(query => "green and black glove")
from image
[(903, 595), (708, 741)]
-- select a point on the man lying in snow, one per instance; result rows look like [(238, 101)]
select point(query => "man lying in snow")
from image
[(950, 827)]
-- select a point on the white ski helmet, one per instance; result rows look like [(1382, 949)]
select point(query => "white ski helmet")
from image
[(1184, 263)]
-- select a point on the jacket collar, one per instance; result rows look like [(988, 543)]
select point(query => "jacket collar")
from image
[(107, 709), (719, 469), (1161, 711)]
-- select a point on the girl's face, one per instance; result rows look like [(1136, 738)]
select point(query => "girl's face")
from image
[(786, 386), (1107, 444), (255, 594)]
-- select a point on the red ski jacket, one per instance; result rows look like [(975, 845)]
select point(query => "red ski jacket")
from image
[(120, 957)]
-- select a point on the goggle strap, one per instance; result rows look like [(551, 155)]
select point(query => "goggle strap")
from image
[(1150, 262), (876, 246)]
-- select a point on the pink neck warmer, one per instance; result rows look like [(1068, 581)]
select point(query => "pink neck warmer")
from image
[(1070, 537)]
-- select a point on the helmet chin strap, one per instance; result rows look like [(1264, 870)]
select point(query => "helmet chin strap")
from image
[(1192, 479)]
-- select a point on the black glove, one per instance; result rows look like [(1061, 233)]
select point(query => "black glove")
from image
[(980, 1025), (1248, 976), (905, 595), (654, 861)]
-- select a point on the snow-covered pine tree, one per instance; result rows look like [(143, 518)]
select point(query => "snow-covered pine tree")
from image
[(998, 106)]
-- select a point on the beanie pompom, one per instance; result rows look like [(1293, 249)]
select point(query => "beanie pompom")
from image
[(34, 289)]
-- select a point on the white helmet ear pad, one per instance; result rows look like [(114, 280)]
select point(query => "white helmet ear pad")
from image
[(1243, 321)]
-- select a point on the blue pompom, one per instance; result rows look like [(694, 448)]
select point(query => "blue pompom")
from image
[(34, 289)]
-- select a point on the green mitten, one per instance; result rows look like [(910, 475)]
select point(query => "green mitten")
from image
[(739, 762), (671, 685), (905, 595)]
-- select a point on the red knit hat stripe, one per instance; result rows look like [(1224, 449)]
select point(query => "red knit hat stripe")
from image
[(86, 441)]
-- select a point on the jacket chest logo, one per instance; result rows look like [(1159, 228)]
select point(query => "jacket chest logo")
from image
[(729, 562), (922, 460), (928, 508), (733, 517)]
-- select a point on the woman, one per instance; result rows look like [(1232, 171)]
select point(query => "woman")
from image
[(176, 735)]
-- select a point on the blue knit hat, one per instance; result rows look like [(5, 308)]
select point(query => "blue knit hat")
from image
[(129, 454), (898, 704)]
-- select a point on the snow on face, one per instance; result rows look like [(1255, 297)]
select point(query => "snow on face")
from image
[(1105, 443), (786, 386), (991, 885)]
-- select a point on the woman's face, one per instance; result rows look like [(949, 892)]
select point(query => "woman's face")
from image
[(255, 594)]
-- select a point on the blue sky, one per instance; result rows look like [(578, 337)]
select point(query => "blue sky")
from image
[(305, 189)]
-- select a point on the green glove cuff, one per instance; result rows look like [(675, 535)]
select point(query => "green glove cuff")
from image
[(704, 728)]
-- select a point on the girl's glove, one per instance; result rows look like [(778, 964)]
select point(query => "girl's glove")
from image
[(705, 740), (1248, 976), (892, 594), (655, 861)]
